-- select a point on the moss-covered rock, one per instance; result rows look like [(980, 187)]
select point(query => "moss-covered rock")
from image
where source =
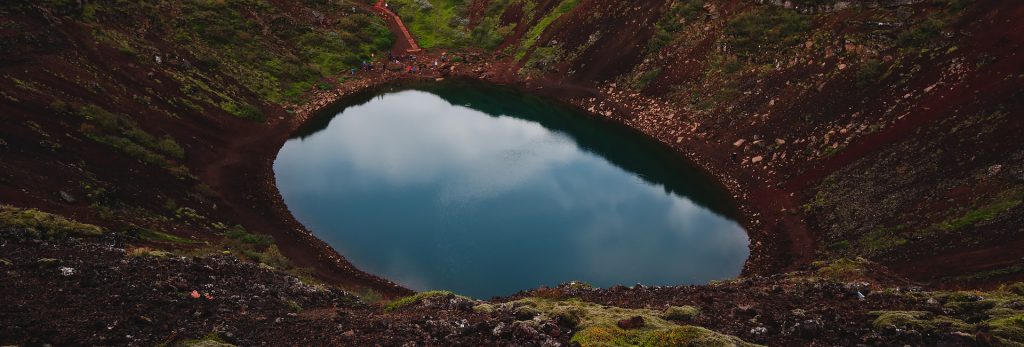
[(596, 325), (44, 225), (415, 298), (923, 321)]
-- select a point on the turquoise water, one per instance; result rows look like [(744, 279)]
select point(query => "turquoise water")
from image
[(486, 191)]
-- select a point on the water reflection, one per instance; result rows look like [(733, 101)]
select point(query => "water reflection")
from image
[(506, 193)]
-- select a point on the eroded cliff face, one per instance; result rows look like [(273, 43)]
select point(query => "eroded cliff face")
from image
[(886, 129)]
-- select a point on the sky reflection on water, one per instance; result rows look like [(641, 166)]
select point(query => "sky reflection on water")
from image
[(436, 196)]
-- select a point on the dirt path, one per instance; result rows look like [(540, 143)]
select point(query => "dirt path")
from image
[(405, 42)]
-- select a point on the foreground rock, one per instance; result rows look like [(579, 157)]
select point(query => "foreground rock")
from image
[(71, 283)]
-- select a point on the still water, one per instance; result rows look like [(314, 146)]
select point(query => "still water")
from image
[(485, 191)]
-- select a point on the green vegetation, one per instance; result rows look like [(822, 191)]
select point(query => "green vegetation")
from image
[(998, 310), (924, 322), (766, 30), (238, 233), (672, 22), (870, 72), (681, 313), (256, 247), (147, 252), (681, 336), (445, 23), (415, 298), (881, 240), (270, 53), (597, 325), (646, 78), (983, 213), (151, 235), (842, 269), (531, 36), (212, 339), (489, 33), (125, 135), (42, 225), (437, 23)]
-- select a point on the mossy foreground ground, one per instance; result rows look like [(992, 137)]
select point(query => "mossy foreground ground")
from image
[(124, 294)]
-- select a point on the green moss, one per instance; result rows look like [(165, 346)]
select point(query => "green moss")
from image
[(1015, 289), (44, 225), (841, 269), (293, 305), (484, 308), (370, 296), (212, 339), (983, 213), (925, 322), (157, 236), (881, 240), (681, 312), (1009, 328), (148, 252), (766, 30), (597, 325), (644, 79), (125, 135), (415, 298), (672, 22)]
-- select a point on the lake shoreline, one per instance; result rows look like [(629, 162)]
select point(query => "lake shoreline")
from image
[(762, 208)]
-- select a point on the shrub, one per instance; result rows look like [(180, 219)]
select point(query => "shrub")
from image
[(239, 233), (766, 29)]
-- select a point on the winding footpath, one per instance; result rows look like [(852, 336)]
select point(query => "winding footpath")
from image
[(407, 44)]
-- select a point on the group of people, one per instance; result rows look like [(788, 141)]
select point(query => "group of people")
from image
[(409, 63)]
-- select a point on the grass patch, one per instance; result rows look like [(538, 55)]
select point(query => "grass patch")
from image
[(983, 213), (531, 36), (42, 225), (766, 30), (147, 252), (415, 298), (681, 313), (672, 22), (125, 135), (151, 235), (238, 233), (842, 269)]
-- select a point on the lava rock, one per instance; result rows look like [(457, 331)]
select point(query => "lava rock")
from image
[(635, 322)]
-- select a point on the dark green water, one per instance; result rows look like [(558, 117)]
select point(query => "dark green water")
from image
[(485, 191)]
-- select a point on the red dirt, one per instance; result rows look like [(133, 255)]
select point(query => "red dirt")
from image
[(405, 44)]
